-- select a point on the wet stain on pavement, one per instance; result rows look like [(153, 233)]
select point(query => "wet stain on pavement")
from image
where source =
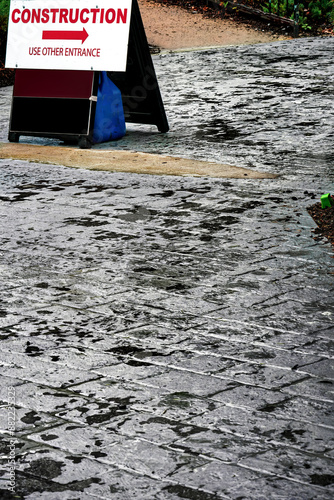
[(217, 131)]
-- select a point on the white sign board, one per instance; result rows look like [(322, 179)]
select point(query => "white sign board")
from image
[(68, 34)]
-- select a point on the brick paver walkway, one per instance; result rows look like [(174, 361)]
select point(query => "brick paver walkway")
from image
[(164, 337)]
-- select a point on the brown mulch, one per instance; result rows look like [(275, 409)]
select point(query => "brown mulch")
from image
[(6, 76), (324, 218)]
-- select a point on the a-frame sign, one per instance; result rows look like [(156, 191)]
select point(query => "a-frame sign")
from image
[(61, 104), (141, 96)]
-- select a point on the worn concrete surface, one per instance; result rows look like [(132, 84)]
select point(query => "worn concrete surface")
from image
[(172, 337)]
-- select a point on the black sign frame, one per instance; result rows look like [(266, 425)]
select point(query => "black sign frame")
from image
[(142, 102)]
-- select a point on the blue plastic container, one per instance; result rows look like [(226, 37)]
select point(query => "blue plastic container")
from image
[(109, 122)]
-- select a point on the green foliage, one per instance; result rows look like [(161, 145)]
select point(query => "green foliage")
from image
[(318, 9), (310, 11), (303, 22), (4, 8), (279, 7), (4, 12), (224, 5)]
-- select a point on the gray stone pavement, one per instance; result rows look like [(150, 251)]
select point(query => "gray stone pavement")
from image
[(168, 337)]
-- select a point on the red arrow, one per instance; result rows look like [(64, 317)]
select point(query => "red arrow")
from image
[(65, 35)]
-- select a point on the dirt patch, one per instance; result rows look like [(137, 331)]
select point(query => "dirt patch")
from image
[(324, 218), (7, 76), (172, 27), (126, 161)]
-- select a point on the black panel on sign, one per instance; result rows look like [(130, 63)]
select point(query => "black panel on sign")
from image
[(52, 116), (141, 96)]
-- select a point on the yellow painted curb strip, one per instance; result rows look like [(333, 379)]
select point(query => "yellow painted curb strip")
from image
[(125, 161)]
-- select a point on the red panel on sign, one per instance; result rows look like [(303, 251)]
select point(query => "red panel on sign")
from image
[(53, 83)]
